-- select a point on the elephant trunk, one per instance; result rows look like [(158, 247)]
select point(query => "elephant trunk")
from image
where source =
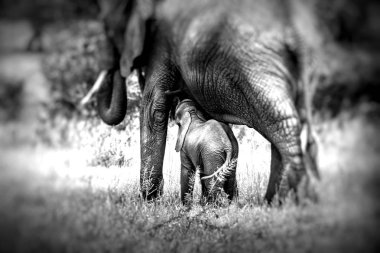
[(112, 99)]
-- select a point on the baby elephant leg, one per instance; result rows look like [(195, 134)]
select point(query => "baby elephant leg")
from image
[(230, 186), (187, 170), (216, 178)]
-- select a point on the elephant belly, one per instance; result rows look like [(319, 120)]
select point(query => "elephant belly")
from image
[(224, 91), (236, 71)]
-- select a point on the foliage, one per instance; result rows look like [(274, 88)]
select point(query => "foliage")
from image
[(72, 65)]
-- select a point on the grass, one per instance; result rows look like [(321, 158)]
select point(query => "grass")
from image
[(62, 200)]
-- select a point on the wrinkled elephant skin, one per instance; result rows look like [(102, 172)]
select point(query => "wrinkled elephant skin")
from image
[(241, 61)]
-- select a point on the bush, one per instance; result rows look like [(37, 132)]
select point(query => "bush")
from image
[(72, 65)]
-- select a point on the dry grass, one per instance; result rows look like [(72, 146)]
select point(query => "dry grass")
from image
[(59, 199)]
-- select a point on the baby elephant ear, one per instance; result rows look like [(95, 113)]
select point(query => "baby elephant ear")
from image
[(182, 130)]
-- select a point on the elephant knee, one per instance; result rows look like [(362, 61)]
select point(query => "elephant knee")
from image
[(155, 109)]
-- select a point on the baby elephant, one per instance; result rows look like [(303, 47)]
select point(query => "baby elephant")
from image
[(209, 144)]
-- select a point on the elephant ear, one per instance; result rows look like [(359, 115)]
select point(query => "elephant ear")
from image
[(182, 131), (135, 33)]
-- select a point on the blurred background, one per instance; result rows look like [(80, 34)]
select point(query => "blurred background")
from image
[(49, 59)]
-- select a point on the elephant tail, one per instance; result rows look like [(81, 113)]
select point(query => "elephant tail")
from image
[(226, 170)]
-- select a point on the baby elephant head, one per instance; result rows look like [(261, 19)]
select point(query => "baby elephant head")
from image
[(183, 117)]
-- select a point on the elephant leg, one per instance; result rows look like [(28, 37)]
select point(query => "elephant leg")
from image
[(287, 162), (276, 117), (211, 186), (275, 174), (187, 185), (230, 186), (154, 114)]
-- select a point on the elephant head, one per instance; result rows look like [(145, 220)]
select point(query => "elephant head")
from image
[(183, 117), (125, 24)]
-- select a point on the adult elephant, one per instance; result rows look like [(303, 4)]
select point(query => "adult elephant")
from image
[(241, 61)]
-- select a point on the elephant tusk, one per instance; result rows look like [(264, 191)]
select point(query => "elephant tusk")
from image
[(94, 88)]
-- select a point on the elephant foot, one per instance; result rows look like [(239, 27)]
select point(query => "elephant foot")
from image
[(151, 190), (296, 185)]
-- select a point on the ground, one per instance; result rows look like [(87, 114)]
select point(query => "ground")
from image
[(82, 196)]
